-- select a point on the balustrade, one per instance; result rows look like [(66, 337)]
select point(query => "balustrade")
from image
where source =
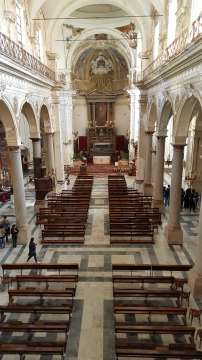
[(16, 53), (182, 42)]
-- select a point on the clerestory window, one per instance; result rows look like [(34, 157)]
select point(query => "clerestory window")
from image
[(172, 9)]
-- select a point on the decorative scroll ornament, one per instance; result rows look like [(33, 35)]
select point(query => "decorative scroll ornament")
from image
[(130, 34)]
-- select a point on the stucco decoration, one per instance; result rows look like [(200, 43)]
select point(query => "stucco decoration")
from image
[(100, 70)]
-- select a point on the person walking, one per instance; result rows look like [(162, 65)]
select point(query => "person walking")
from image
[(32, 250), (2, 236), (6, 225), (14, 234)]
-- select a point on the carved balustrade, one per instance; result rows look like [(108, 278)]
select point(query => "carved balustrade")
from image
[(186, 39), (16, 53)]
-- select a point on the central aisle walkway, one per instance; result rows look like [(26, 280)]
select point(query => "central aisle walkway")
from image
[(92, 333)]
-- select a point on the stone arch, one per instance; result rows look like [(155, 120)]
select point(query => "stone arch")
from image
[(123, 48), (45, 119), (152, 116), (27, 110), (184, 115), (7, 118), (165, 115)]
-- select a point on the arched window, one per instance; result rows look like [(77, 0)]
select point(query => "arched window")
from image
[(172, 8), (156, 40), (195, 9)]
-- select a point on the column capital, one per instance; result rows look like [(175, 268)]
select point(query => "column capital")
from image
[(35, 139), (149, 132), (14, 148), (49, 133), (161, 136), (178, 145)]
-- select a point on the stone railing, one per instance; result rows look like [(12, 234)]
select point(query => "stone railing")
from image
[(16, 53), (181, 43)]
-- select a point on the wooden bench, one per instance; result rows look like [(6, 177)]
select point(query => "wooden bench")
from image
[(150, 267), (155, 329), (34, 309), (73, 279), (150, 310), (33, 348), (155, 293), (116, 279), (68, 293), (158, 353), (40, 266)]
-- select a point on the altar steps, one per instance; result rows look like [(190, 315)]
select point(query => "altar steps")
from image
[(97, 170)]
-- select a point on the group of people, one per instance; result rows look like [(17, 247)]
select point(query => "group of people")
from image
[(190, 198), (6, 230)]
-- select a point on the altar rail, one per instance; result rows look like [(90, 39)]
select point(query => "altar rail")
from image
[(185, 40), (16, 53)]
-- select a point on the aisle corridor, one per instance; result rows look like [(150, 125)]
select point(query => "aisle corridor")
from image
[(91, 336)]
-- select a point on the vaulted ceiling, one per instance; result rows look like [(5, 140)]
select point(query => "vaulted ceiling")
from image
[(113, 13)]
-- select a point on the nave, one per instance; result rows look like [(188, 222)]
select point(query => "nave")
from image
[(92, 317)]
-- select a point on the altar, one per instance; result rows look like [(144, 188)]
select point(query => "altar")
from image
[(101, 160)]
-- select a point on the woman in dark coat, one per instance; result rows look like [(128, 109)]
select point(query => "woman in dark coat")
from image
[(32, 250), (14, 234)]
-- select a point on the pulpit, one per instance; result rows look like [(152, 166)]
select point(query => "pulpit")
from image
[(43, 186)]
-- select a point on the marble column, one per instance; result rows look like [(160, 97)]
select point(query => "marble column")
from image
[(37, 161), (159, 173), (173, 230), (58, 142), (132, 93), (51, 156), (148, 164), (19, 195), (195, 275), (140, 162)]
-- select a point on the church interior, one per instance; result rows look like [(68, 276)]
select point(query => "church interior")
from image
[(100, 179)]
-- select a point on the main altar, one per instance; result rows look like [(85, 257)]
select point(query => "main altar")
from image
[(101, 131)]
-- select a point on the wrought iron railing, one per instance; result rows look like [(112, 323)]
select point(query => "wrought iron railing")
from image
[(16, 53), (181, 43)]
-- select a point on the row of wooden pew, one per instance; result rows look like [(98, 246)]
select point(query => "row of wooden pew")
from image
[(64, 219), (142, 326), (56, 316), (131, 215)]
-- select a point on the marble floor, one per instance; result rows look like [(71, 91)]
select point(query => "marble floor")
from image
[(92, 335)]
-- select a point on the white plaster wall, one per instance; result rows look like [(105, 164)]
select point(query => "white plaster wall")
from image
[(122, 115), (80, 115)]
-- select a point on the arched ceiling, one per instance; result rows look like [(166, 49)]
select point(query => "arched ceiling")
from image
[(86, 13)]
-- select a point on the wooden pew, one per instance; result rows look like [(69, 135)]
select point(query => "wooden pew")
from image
[(159, 353), (116, 279), (151, 268), (150, 310), (33, 348), (155, 329), (46, 279), (34, 309), (40, 266), (41, 294)]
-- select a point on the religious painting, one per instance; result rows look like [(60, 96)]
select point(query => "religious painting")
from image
[(101, 114)]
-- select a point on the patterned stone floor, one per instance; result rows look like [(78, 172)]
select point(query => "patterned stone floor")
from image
[(91, 336)]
